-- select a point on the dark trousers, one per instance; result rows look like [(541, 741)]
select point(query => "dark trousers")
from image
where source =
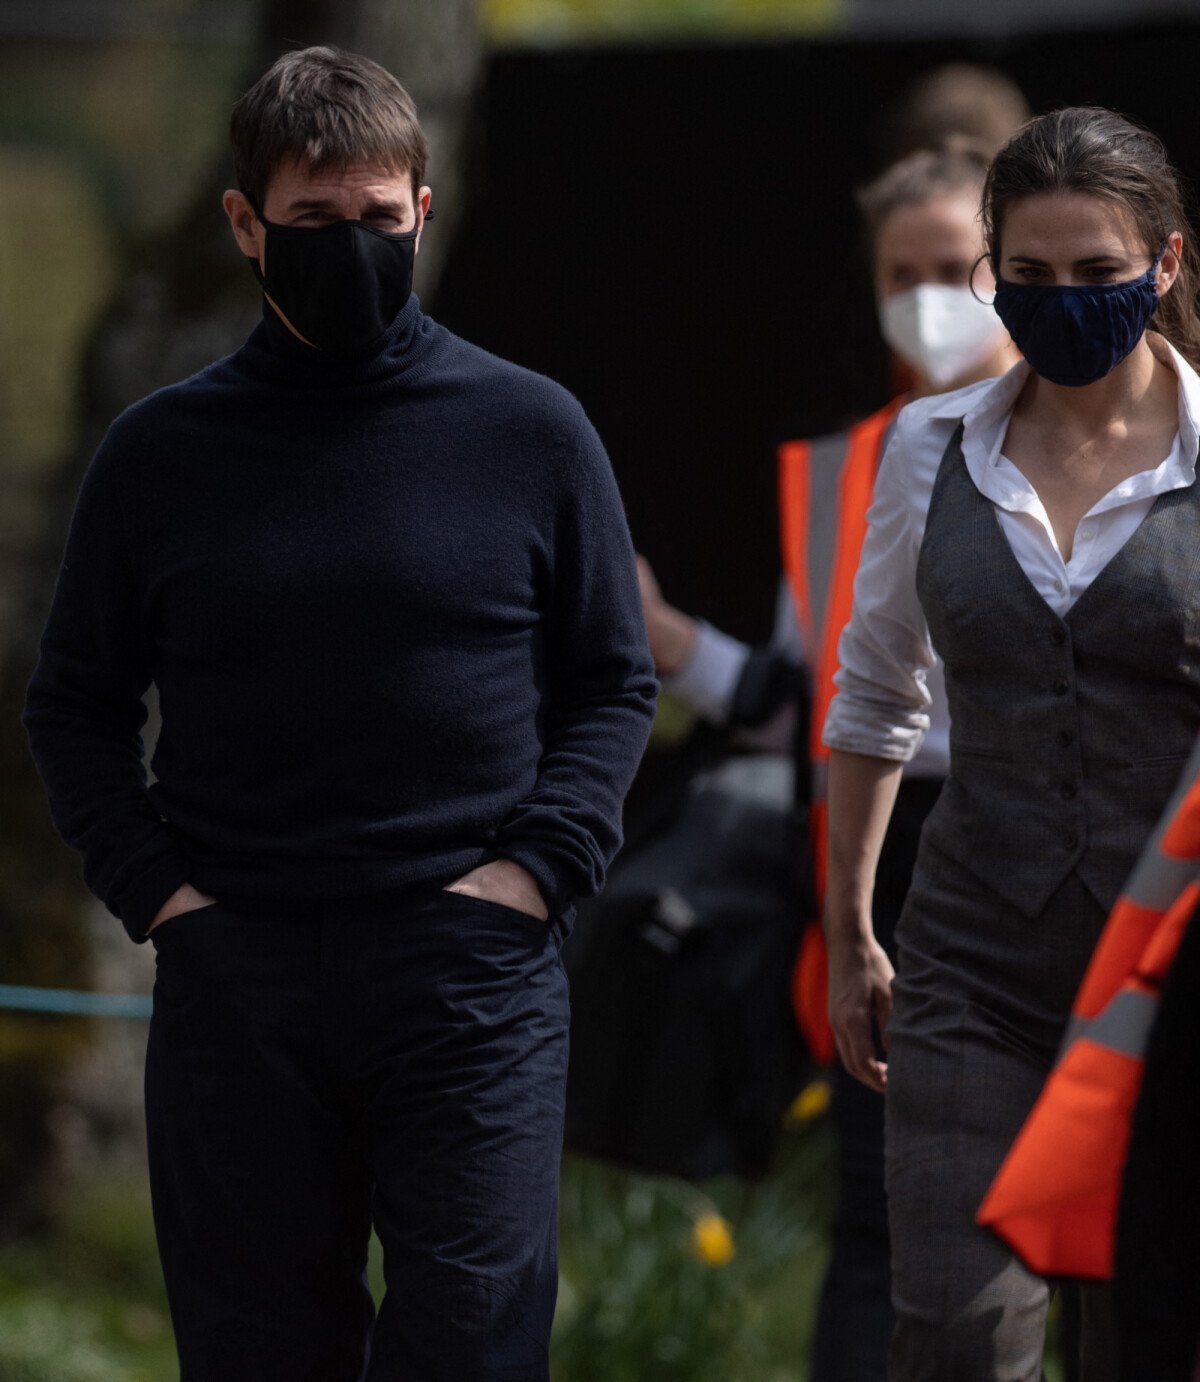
[(311, 1074), (855, 1317)]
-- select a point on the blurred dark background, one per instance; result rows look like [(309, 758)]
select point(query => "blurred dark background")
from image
[(670, 232)]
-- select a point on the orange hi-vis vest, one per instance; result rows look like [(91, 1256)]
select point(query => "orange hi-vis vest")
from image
[(825, 490), (1054, 1200)]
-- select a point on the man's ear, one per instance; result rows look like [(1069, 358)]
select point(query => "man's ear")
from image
[(424, 197), (247, 228)]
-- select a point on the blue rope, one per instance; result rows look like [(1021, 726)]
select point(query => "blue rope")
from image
[(35, 1000)]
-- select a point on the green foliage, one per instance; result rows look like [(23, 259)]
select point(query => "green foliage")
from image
[(85, 1302), (42, 1341), (636, 1301), (539, 21)]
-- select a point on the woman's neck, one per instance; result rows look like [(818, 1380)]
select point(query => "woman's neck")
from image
[(1137, 383)]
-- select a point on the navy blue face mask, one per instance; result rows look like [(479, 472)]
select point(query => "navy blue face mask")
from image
[(1076, 335), (341, 285)]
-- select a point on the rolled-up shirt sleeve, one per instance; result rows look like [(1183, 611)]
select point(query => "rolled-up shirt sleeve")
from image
[(882, 704)]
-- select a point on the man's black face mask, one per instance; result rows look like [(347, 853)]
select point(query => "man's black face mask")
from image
[(341, 285)]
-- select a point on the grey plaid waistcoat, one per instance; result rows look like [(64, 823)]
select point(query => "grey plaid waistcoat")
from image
[(1067, 735)]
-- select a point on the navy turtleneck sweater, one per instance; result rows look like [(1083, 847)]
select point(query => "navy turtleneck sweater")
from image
[(390, 607)]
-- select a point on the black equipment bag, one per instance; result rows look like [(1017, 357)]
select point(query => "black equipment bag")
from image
[(684, 1050)]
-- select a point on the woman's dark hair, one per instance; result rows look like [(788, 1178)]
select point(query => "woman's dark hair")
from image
[(1102, 154)]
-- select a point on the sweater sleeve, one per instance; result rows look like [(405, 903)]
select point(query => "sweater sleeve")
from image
[(84, 711), (600, 691)]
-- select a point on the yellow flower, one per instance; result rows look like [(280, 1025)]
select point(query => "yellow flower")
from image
[(811, 1103), (712, 1240)]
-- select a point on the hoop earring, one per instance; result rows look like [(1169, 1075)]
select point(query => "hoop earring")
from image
[(971, 279)]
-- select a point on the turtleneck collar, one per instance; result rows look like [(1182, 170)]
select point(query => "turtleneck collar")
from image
[(273, 354)]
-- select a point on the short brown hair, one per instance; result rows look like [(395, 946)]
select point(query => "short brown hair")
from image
[(1102, 154), (327, 109)]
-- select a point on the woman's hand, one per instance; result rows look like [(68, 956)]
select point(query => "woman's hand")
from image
[(862, 791), (860, 989)]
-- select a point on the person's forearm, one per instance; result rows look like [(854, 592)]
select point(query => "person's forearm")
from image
[(672, 637), (861, 792)]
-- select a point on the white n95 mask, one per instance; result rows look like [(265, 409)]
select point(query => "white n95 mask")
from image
[(941, 330)]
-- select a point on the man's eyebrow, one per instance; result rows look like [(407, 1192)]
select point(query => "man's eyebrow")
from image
[(399, 210), (325, 206), (310, 204)]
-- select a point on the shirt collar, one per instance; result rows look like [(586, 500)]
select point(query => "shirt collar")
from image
[(986, 418), (1189, 398)]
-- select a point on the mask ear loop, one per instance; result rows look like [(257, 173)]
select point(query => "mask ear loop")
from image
[(255, 267), (971, 280)]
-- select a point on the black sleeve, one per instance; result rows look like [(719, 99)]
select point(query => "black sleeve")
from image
[(1158, 1226), (601, 690), (84, 712)]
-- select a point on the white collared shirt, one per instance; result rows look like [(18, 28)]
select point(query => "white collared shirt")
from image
[(885, 652)]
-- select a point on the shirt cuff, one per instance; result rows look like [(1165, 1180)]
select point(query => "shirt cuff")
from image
[(554, 884), (707, 680), (856, 730)]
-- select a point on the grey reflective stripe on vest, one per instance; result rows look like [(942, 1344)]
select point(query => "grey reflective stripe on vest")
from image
[(827, 457), (1158, 879), (826, 461), (1122, 1026)]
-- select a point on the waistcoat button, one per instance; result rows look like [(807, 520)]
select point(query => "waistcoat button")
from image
[(1070, 840), (1059, 637), (1069, 791), (1061, 686), (1065, 738)]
